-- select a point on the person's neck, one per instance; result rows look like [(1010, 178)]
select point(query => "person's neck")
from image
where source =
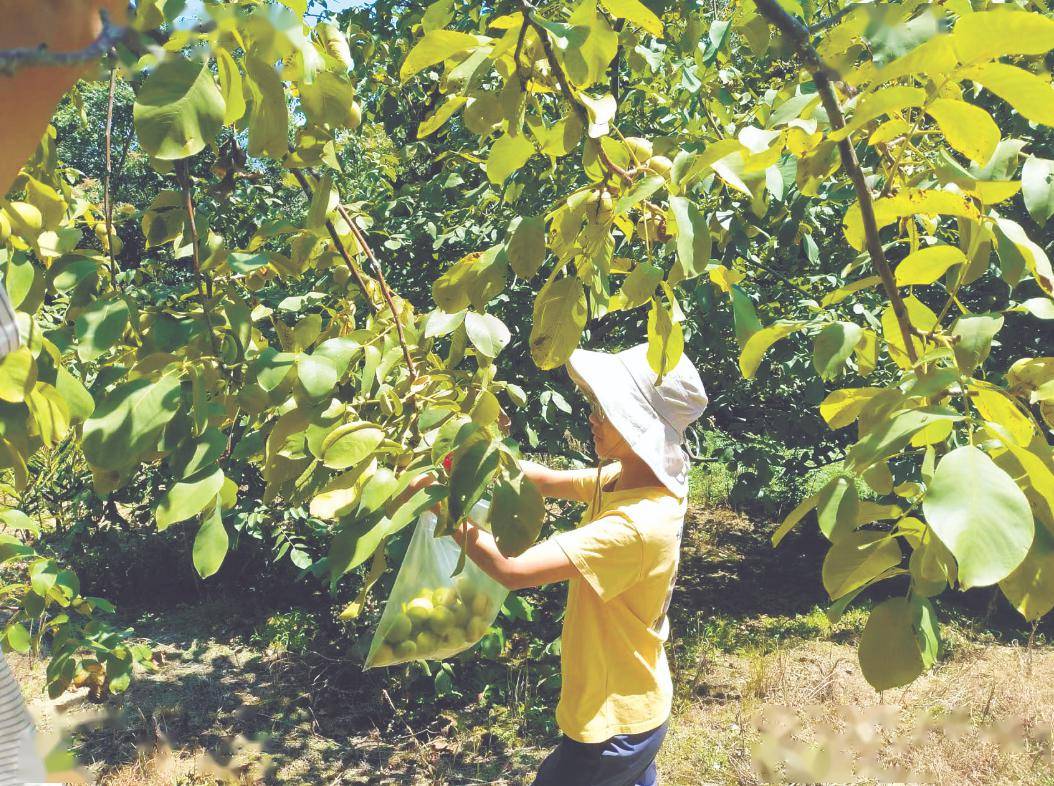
[(634, 473)]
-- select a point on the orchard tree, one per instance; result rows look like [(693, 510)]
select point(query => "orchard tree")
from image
[(842, 184)]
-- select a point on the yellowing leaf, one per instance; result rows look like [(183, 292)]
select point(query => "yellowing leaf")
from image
[(928, 264), (559, 318), (446, 110), (1032, 96), (1035, 257), (967, 128), (987, 35), (840, 294), (997, 407), (881, 102), (435, 47), (758, 344), (909, 202), (507, 155), (724, 278), (936, 56), (636, 12), (920, 316)]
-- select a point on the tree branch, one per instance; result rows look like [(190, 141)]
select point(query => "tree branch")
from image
[(183, 176), (823, 75), (107, 199), (836, 17), (13, 59)]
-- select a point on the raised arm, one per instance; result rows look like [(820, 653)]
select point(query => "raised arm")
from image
[(560, 483), (542, 563)]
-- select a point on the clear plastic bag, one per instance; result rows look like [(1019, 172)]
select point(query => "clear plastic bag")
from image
[(431, 615)]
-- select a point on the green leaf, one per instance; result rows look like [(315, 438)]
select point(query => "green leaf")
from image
[(744, 316), (526, 245), (211, 542), (194, 455), (758, 344), (842, 407), (980, 514), (837, 506), (986, 35), (317, 375), (179, 109), (435, 47), (794, 517), (636, 12), (1030, 95), (18, 375), (471, 474), (890, 656), (421, 501), (188, 498), (516, 515), (18, 637), (857, 559), (881, 102), (349, 444), (559, 319), (269, 115), (975, 334), (892, 434), (693, 240), (967, 128), (128, 421), (507, 155), (833, 346), (230, 86), (665, 339), (928, 264), (638, 287), (16, 519), (1030, 588), (641, 190), (487, 333), (100, 326), (1037, 187)]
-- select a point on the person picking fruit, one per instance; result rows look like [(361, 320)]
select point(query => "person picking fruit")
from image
[(620, 564)]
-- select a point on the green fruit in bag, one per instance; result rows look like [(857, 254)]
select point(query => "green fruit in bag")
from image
[(455, 637), (426, 644), (477, 628), (445, 596), (465, 588), (461, 613), (481, 606), (406, 650), (399, 630), (442, 620), (419, 610), (384, 654)]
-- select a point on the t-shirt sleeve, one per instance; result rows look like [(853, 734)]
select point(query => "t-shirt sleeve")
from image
[(608, 552), (584, 481)]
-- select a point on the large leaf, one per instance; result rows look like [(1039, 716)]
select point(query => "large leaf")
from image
[(758, 344), (471, 474), (1032, 96), (269, 115), (100, 326), (179, 109), (435, 47), (980, 514), (928, 264), (129, 420), (526, 246), (211, 542), (516, 515), (507, 155), (833, 346), (1037, 187), (636, 12), (987, 35), (350, 444), (18, 375), (188, 498), (487, 333), (1030, 588), (892, 434), (693, 240), (559, 318), (967, 128), (856, 559), (897, 644)]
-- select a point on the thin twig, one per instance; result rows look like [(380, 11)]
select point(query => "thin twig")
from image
[(569, 93), (13, 59), (360, 238), (835, 18), (822, 74), (183, 176), (107, 200), (360, 279)]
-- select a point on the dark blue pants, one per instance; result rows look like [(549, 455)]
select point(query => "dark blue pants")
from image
[(623, 760)]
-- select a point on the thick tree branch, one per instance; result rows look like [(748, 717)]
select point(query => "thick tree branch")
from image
[(823, 76), (13, 59)]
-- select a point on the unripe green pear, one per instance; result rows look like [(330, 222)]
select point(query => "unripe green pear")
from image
[(419, 610), (477, 628), (426, 643), (481, 606)]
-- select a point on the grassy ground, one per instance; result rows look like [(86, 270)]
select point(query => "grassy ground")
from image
[(767, 688)]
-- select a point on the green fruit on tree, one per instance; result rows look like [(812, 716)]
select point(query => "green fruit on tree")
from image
[(661, 165), (419, 610), (354, 115), (400, 629), (477, 628), (426, 643), (640, 149), (383, 655), (442, 620), (406, 650)]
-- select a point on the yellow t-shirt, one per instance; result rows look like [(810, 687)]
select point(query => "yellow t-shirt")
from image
[(615, 676)]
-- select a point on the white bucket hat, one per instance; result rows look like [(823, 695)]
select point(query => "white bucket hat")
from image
[(651, 416)]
